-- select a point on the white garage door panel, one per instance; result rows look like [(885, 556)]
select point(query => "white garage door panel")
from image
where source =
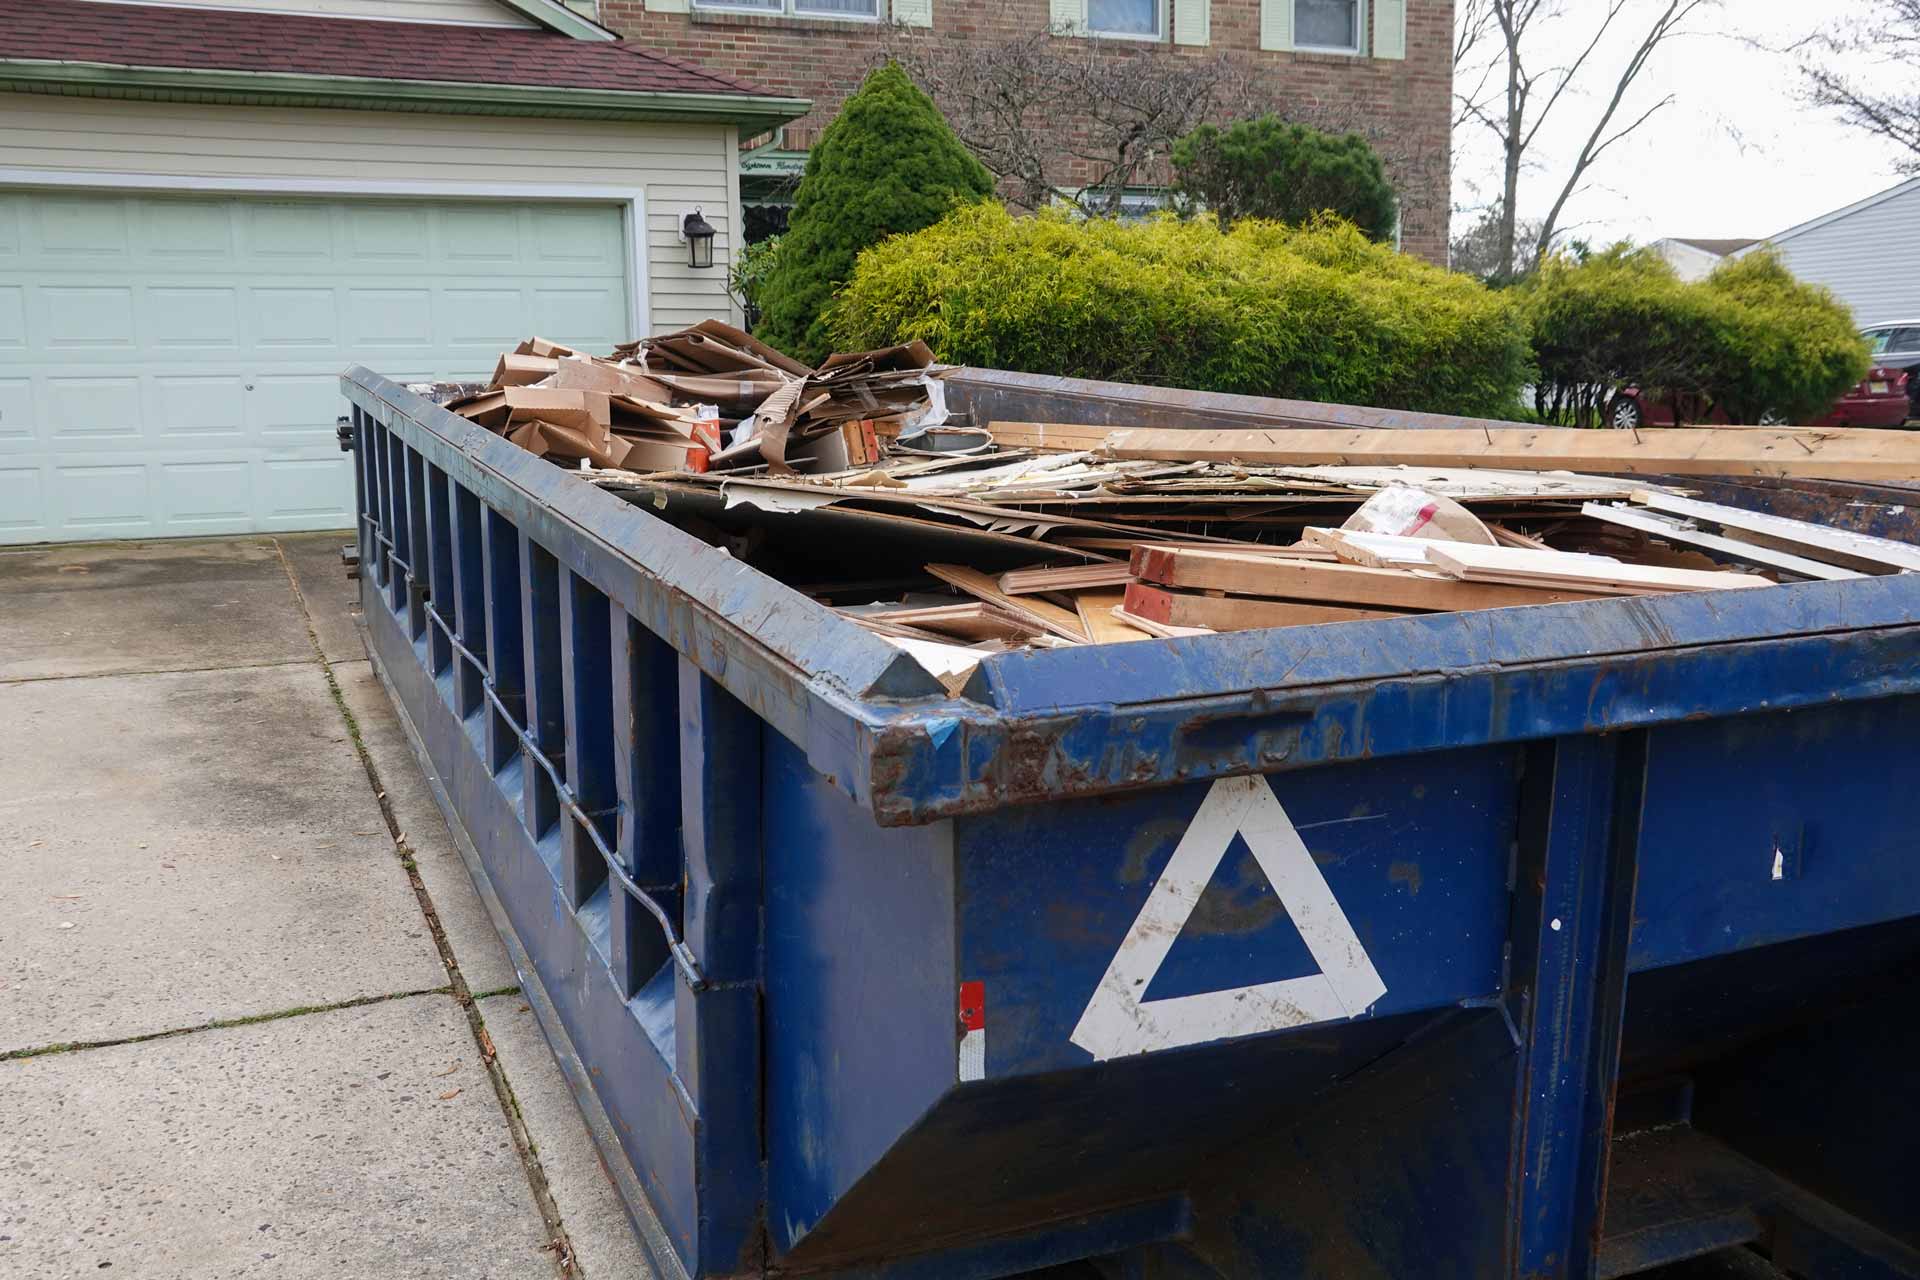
[(171, 365)]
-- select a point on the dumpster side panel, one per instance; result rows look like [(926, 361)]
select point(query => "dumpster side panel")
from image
[(641, 1096), (1162, 919), (862, 1004), (1765, 828), (1015, 1156)]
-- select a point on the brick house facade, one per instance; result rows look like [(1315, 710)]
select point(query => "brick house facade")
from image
[(1394, 83)]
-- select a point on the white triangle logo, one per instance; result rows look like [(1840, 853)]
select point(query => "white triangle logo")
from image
[(1118, 1023)]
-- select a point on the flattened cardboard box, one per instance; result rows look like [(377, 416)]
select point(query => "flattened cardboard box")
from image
[(584, 410), (571, 444), (583, 373)]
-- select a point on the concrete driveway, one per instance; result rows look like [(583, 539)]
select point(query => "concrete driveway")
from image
[(254, 1020)]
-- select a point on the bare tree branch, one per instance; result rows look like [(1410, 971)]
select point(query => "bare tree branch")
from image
[(1531, 98), (1664, 27), (1838, 66), (1127, 103)]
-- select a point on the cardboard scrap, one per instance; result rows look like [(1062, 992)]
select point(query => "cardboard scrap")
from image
[(584, 373), (518, 370)]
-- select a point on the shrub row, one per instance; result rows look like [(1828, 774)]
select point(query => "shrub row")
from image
[(1750, 339), (1316, 312)]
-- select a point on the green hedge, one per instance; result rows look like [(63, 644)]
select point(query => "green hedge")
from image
[(1749, 339), (1313, 313), (1783, 344)]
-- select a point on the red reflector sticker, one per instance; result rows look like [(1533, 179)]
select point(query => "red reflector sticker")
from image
[(973, 1006)]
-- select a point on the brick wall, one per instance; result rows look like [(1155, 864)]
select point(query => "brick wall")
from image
[(1406, 106)]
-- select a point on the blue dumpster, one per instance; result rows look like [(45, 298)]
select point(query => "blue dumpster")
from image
[(1590, 946)]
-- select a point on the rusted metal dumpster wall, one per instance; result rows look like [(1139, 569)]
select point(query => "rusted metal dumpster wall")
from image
[(1563, 941)]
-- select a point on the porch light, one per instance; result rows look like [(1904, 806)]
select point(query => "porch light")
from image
[(698, 233)]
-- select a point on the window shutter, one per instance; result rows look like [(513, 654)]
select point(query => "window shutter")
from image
[(1068, 15), (1390, 28), (1192, 20), (666, 6), (1276, 24), (913, 13)]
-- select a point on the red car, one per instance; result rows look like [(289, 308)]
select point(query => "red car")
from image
[(1879, 400)]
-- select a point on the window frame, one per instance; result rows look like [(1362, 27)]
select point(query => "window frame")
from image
[(787, 9), (1357, 49), (1160, 16)]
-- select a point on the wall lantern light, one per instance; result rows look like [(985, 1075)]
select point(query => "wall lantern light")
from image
[(698, 233)]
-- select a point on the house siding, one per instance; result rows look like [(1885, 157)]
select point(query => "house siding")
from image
[(470, 12), (677, 166), (1404, 101), (1690, 263), (1865, 257)]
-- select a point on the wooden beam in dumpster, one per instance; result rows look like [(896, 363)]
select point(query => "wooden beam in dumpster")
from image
[(1821, 453)]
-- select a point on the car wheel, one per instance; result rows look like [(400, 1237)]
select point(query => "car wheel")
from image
[(1773, 418), (1626, 414)]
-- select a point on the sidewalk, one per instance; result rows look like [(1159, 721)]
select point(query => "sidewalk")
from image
[(253, 1017)]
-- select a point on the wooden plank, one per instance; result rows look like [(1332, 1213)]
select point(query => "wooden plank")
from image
[(1563, 569), (1161, 630), (1235, 613), (1514, 538), (1374, 550), (970, 622), (1829, 453), (1747, 553), (1075, 577), (1050, 618), (1063, 437), (1097, 616), (1297, 550), (1336, 583), (1836, 546)]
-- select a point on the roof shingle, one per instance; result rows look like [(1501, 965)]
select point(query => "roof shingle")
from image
[(244, 40)]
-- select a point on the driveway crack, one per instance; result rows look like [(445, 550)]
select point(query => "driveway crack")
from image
[(559, 1246)]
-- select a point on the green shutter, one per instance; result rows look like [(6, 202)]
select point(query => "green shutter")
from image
[(1390, 28), (913, 13), (1276, 24), (1068, 15), (1192, 21)]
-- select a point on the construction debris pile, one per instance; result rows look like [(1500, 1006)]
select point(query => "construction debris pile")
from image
[(706, 398), (853, 484)]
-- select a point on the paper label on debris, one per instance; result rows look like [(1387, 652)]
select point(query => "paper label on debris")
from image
[(1406, 512)]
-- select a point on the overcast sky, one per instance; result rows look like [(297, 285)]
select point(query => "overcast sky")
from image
[(1737, 154)]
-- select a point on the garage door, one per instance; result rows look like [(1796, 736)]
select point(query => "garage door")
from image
[(170, 366)]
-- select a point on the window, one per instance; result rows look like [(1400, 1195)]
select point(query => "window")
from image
[(1903, 341), (1139, 18), (1327, 24), (802, 8), (1877, 340)]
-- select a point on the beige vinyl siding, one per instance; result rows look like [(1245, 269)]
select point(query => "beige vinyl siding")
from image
[(469, 12), (678, 166)]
